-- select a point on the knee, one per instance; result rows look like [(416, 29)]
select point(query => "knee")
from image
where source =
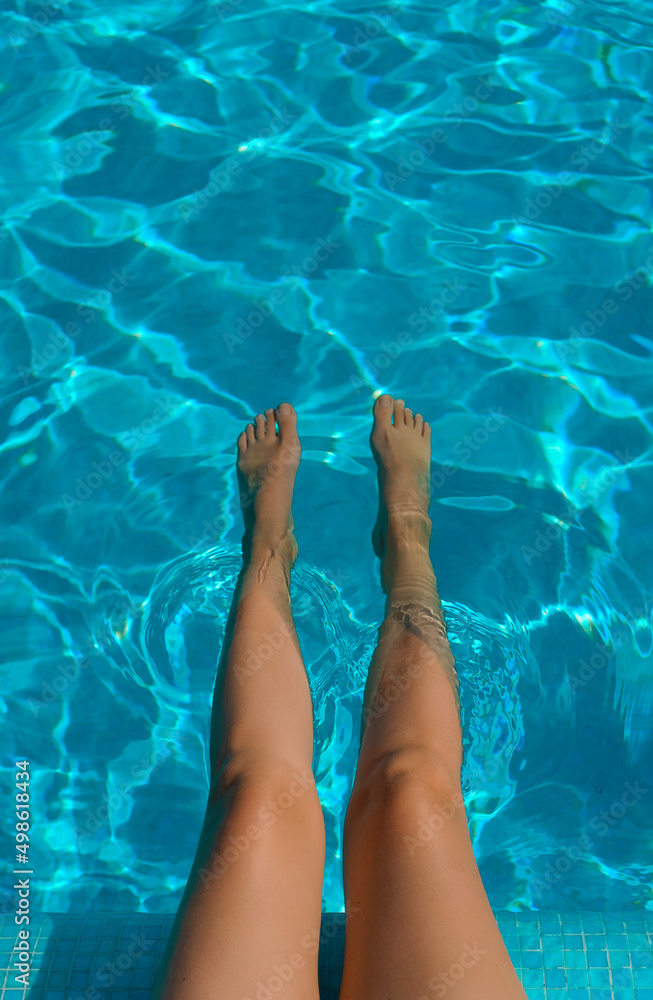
[(407, 780), (259, 785)]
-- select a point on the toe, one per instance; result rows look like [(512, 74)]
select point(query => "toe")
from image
[(250, 432), (260, 426), (286, 418), (399, 411), (419, 420), (408, 417), (242, 441), (426, 429), (383, 409), (270, 427)]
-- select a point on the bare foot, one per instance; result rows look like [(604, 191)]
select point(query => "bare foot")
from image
[(267, 466), (402, 450)]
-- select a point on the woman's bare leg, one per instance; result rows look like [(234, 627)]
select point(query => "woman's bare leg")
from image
[(424, 928), (253, 899)]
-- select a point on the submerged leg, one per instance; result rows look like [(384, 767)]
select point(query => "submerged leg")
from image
[(424, 928), (251, 909)]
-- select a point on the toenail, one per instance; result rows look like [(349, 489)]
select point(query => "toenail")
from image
[(385, 400), (283, 408)]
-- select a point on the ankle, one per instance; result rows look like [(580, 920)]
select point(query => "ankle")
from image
[(262, 556)]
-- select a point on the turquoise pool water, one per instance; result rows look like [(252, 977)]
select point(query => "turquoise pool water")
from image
[(209, 208)]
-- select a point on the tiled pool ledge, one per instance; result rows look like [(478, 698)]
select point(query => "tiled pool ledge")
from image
[(579, 956)]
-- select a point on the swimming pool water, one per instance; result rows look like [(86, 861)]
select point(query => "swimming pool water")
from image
[(209, 208)]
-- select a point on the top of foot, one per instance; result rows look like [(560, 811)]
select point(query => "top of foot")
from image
[(267, 467), (401, 445)]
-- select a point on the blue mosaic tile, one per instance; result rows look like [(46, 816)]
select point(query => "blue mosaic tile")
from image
[(531, 959), (82, 961), (554, 979), (577, 978), (144, 961), (641, 959), (622, 977), (56, 979), (579, 994), (643, 978), (575, 959), (532, 978), (79, 980), (67, 945), (599, 978), (595, 941), (597, 959)]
